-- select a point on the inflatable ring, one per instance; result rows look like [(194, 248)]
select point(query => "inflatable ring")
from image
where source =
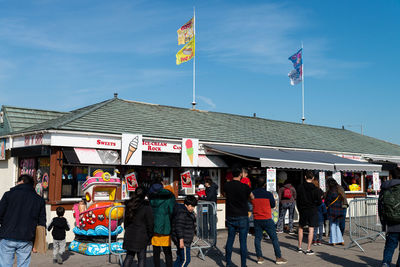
[(106, 176)]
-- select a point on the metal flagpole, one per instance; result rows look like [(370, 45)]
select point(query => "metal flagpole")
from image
[(194, 60), (302, 83)]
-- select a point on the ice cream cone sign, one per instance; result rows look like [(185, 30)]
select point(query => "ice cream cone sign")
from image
[(131, 153), (190, 151)]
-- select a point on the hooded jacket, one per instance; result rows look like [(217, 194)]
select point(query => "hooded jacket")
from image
[(212, 192), (59, 226), (394, 228), (183, 225), (162, 202), (21, 210), (308, 197)]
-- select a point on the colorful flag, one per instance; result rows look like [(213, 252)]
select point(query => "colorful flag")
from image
[(297, 59), (186, 53), (185, 33), (296, 75)]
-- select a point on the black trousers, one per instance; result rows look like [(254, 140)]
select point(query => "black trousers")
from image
[(167, 253), (130, 255)]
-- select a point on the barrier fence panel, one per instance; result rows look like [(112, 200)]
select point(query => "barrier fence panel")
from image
[(364, 221), (119, 252), (206, 232)]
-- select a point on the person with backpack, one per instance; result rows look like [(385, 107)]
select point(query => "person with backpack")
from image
[(389, 214), (287, 199)]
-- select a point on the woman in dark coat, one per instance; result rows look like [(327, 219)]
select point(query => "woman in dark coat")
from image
[(138, 228), (334, 201)]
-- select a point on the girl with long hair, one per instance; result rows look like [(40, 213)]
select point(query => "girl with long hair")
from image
[(334, 201), (138, 227)]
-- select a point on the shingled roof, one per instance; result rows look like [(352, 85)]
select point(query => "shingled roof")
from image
[(119, 116), (16, 119)]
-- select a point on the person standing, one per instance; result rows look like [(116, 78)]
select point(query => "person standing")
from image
[(183, 230), (237, 195), (287, 198), (262, 202), (21, 210), (336, 212), (139, 228), (59, 225), (211, 190), (308, 200), (390, 216), (162, 202), (211, 219)]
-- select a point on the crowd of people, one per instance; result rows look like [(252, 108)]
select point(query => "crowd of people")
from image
[(152, 216)]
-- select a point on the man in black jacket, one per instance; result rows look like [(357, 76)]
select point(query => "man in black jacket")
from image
[(183, 230), (21, 210), (211, 190)]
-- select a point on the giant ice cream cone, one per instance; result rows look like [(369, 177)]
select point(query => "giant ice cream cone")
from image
[(191, 158), (132, 148)]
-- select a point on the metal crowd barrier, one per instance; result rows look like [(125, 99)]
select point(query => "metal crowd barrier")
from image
[(118, 253), (206, 220), (364, 221)]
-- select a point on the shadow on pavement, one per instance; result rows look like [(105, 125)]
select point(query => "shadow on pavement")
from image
[(345, 262)]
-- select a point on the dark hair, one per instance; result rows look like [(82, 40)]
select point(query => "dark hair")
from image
[(395, 173), (134, 203), (208, 181), (60, 211), (309, 175), (260, 181), (236, 172), (332, 184), (190, 200), (26, 179)]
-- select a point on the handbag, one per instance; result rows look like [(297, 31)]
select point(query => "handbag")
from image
[(40, 244)]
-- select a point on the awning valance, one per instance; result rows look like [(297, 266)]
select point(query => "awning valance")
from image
[(294, 159)]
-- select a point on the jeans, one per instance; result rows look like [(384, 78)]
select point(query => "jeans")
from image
[(335, 235), (130, 255), (269, 226), (318, 230), (240, 225), (182, 257), (392, 240), (58, 247), (282, 213), (167, 253), (9, 247)]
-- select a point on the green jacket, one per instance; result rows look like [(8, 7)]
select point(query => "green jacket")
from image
[(163, 203)]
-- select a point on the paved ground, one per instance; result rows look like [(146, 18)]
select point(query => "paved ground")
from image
[(325, 255)]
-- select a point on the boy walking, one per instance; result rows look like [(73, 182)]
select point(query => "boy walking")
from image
[(183, 230), (262, 203), (59, 225)]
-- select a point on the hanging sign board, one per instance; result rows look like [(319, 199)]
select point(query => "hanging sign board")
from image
[(190, 152), (271, 180), (131, 150), (322, 184), (376, 181), (131, 181), (338, 177), (186, 180)]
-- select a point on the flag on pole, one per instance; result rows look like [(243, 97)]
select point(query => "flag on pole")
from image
[(296, 75), (186, 53), (185, 33)]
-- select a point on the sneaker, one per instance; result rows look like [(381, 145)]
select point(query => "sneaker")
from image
[(309, 252), (260, 260), (292, 232), (281, 261), (59, 259), (300, 250), (315, 243), (279, 232), (319, 243)]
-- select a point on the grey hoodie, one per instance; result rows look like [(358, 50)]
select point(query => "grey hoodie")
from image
[(395, 228)]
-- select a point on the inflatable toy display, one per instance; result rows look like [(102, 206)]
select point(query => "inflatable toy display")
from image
[(93, 218)]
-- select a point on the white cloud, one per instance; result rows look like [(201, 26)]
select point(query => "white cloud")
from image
[(207, 101)]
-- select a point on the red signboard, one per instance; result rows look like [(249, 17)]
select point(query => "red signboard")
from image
[(131, 181), (186, 180)]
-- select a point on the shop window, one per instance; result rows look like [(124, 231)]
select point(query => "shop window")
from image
[(72, 180), (146, 176), (352, 181), (39, 169), (198, 177), (369, 184)]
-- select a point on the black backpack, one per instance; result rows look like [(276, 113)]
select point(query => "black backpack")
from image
[(390, 199)]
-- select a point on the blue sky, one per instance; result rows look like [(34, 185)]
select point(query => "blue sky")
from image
[(62, 55)]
